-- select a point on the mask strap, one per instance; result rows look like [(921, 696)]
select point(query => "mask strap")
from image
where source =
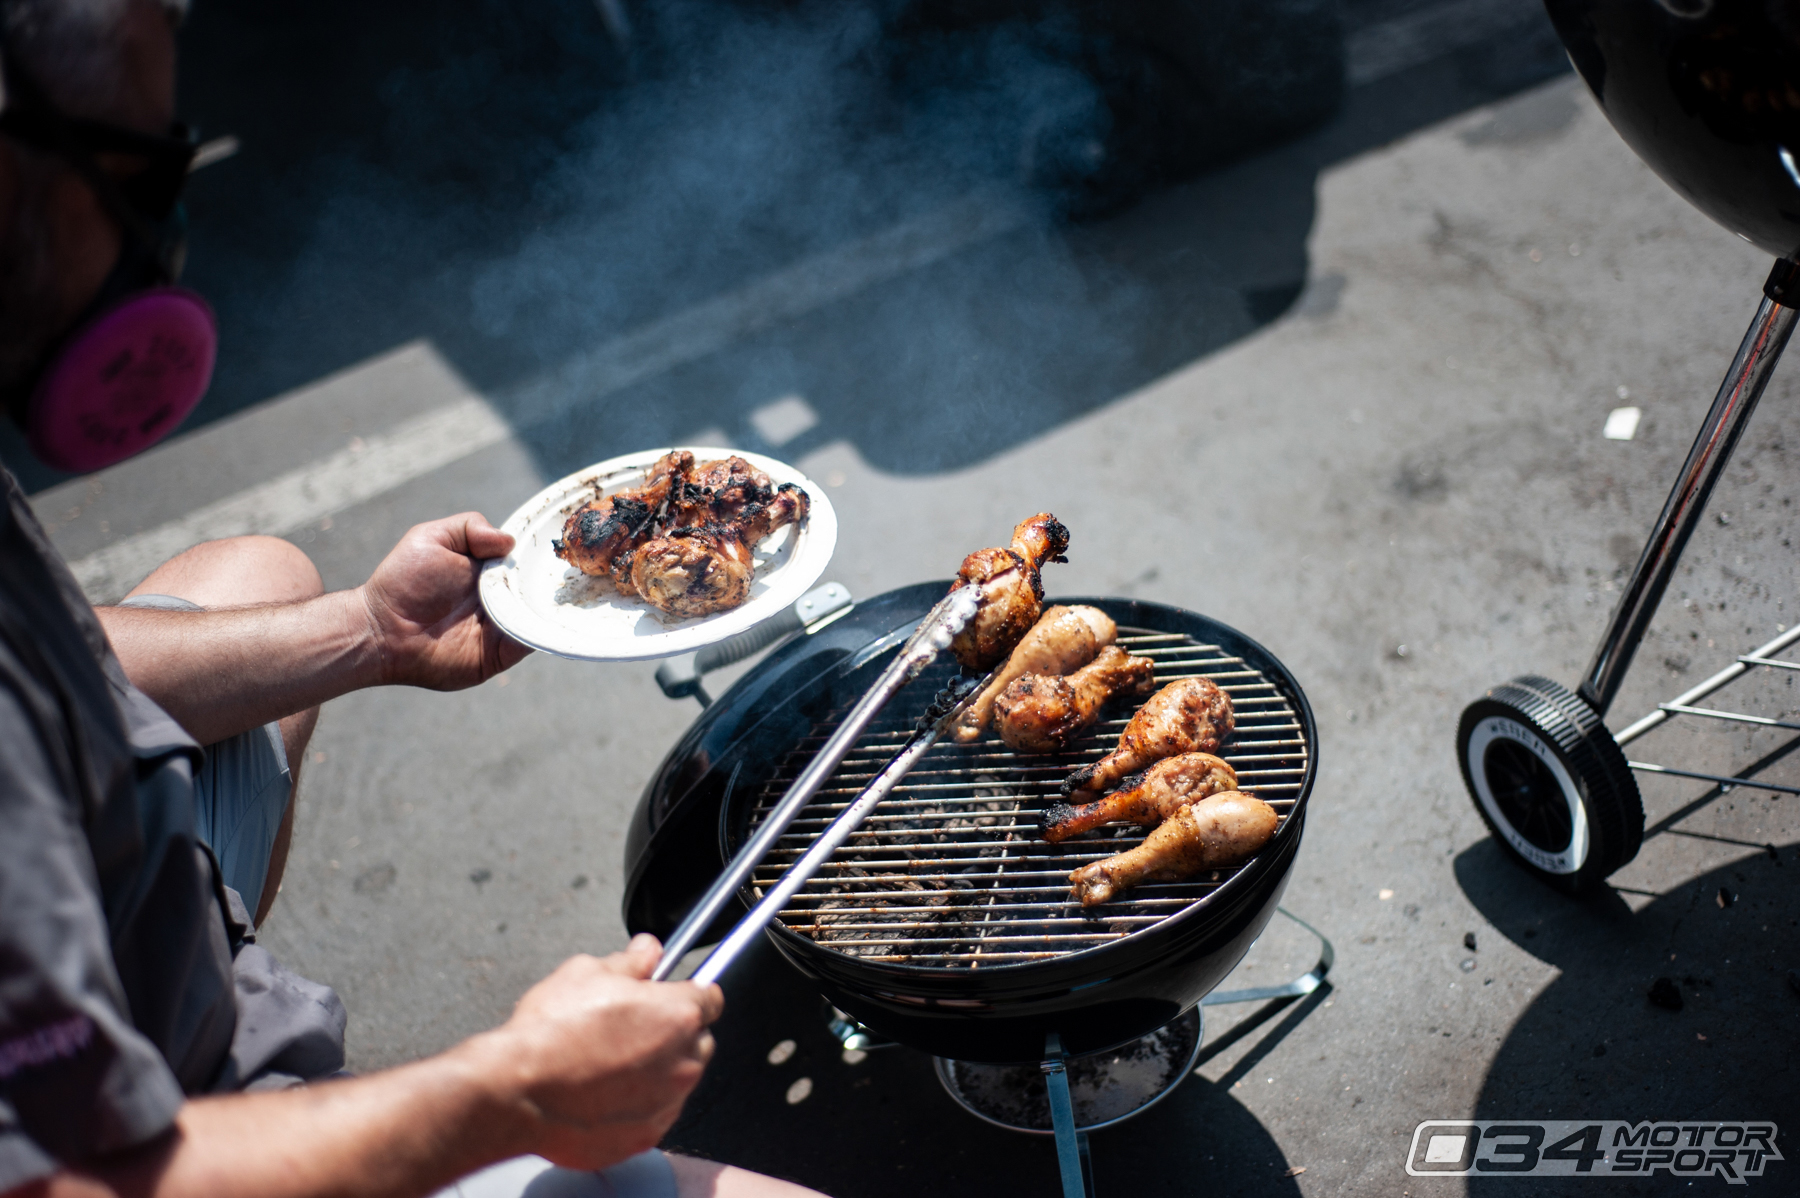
[(36, 122)]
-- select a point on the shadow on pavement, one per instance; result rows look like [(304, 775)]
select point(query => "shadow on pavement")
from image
[(1594, 1045), (510, 183), (885, 1128)]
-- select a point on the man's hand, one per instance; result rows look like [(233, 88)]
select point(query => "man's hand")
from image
[(427, 619), (592, 1068), (600, 1060)]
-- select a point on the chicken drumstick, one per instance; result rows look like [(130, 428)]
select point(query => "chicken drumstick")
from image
[(698, 571), (1215, 832), (1061, 642), (1012, 594), (1190, 715), (1148, 798), (1042, 714), (598, 535)]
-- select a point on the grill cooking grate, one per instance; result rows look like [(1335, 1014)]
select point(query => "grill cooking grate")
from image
[(949, 871)]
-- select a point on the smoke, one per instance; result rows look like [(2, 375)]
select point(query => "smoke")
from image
[(766, 137), (504, 180)]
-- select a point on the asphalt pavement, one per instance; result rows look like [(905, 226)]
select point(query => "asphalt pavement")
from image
[(1346, 395)]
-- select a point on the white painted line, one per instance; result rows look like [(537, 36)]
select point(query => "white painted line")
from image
[(1377, 51), (430, 442), (408, 450)]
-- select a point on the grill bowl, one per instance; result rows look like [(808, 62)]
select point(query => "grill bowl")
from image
[(1105, 992)]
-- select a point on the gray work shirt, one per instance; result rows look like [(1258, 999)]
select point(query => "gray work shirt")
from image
[(129, 976)]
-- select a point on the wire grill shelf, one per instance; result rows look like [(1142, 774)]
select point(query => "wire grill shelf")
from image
[(1762, 657)]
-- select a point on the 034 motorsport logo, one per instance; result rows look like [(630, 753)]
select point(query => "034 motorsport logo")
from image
[(1604, 1148)]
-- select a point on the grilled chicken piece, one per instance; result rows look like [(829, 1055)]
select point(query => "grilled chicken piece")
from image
[(699, 571), (1148, 798), (598, 534), (1012, 594), (1190, 715), (1061, 642), (1038, 713), (716, 492), (1222, 830)]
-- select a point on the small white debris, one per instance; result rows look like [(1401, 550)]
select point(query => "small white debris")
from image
[(1622, 423), (1624, 391), (1384, 894), (800, 1091), (855, 1056), (781, 1052)]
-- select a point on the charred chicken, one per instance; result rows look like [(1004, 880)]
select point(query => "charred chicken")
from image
[(1148, 798), (684, 540), (1061, 642), (1222, 830), (1012, 594), (1190, 715), (1039, 713), (698, 571)]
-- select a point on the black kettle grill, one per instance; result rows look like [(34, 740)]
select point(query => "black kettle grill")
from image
[(1707, 92), (945, 923)]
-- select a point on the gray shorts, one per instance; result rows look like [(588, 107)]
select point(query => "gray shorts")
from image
[(241, 793), (646, 1175)]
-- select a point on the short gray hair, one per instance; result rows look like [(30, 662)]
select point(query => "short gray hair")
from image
[(71, 48)]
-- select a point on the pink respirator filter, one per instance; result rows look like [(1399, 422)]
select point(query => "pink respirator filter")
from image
[(124, 381)]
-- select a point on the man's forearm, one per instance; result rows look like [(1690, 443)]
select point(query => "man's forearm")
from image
[(409, 1131), (223, 672)]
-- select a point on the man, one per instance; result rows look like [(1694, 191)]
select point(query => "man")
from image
[(148, 1046)]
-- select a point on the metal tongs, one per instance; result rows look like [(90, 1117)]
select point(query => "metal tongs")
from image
[(933, 635)]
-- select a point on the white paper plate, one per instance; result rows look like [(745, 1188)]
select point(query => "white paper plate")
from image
[(542, 601)]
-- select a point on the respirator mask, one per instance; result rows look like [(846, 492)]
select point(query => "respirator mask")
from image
[(140, 356)]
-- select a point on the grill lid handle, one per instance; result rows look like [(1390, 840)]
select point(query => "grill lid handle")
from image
[(680, 676)]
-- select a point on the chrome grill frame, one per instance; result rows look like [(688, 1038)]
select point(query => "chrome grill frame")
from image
[(949, 873)]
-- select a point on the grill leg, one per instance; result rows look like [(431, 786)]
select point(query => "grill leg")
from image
[(1072, 1154), (1743, 386), (1301, 986)]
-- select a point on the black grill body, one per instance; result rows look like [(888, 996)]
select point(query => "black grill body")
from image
[(1095, 997), (1703, 91)]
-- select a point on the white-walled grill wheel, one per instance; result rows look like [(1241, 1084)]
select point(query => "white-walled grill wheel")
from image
[(1550, 782)]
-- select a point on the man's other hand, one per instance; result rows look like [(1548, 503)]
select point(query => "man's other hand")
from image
[(598, 1060), (427, 617)]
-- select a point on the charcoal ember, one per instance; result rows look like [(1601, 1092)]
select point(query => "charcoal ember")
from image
[(1665, 994)]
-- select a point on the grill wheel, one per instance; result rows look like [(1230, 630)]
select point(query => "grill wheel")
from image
[(1550, 782)]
